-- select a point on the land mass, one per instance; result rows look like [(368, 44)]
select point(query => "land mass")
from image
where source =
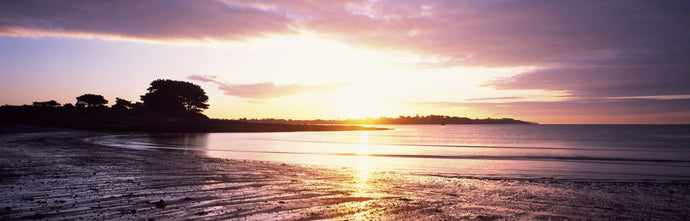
[(429, 119), (106, 119), (134, 120)]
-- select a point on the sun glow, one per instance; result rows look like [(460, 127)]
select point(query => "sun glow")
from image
[(374, 82), (359, 110)]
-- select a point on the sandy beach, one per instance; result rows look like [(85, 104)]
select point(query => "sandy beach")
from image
[(59, 175)]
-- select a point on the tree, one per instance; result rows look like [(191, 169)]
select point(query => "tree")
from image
[(122, 104), (170, 95), (51, 103), (91, 100)]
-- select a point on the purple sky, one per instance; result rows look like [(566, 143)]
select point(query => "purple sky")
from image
[(577, 61)]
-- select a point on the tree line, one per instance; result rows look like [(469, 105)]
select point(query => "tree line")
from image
[(162, 95), (167, 107)]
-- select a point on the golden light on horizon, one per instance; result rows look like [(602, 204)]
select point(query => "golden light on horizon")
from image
[(358, 110)]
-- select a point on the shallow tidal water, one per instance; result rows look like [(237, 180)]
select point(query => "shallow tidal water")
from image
[(64, 176), (570, 152)]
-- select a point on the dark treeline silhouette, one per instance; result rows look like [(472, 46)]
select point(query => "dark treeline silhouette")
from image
[(168, 106), (430, 119), (51, 103), (91, 100), (169, 95)]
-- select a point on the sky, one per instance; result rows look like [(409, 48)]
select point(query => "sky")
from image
[(546, 61)]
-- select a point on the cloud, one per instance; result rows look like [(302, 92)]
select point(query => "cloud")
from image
[(623, 106), (619, 81), (270, 90), (493, 98), (260, 92), (134, 19), (204, 78)]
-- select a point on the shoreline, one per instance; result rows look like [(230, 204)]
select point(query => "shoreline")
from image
[(57, 175)]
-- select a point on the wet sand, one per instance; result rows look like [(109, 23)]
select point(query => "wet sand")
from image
[(57, 175)]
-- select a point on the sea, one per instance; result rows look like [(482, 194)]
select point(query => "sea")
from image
[(569, 152)]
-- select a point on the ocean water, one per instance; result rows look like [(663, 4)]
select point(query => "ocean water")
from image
[(573, 152)]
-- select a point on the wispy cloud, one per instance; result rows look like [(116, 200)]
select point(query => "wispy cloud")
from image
[(260, 92), (493, 98), (603, 81), (625, 106)]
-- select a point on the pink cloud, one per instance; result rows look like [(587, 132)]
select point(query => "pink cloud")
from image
[(149, 20), (205, 78), (493, 98), (260, 92)]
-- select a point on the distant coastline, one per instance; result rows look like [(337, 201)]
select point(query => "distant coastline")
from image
[(429, 119), (114, 120)]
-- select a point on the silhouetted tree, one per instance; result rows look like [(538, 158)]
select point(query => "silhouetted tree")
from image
[(51, 103), (170, 95), (138, 106), (68, 105), (122, 104), (91, 100)]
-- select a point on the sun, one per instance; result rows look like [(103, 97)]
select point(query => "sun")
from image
[(359, 102), (361, 110)]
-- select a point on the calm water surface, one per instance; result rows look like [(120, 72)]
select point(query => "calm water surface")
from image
[(601, 152)]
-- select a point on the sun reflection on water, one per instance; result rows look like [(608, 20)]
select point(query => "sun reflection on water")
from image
[(362, 186), (364, 137), (363, 169), (362, 176)]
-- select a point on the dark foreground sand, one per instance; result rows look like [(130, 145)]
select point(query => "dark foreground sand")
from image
[(58, 176)]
